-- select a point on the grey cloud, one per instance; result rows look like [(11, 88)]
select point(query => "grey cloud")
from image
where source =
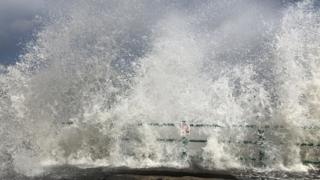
[(17, 23), (18, 19)]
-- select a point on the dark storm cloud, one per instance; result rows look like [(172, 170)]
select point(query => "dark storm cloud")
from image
[(18, 21)]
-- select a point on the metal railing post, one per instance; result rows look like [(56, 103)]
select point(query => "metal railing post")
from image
[(260, 143), (184, 153)]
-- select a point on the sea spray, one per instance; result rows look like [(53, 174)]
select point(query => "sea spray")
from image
[(100, 73)]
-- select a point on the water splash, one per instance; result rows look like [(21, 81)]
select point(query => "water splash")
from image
[(100, 68)]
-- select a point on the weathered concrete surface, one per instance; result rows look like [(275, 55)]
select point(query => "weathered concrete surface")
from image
[(107, 173), (74, 173), (131, 177)]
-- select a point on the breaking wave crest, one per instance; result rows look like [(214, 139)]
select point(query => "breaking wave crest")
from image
[(100, 71)]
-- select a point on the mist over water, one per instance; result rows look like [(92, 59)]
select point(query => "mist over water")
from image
[(100, 68)]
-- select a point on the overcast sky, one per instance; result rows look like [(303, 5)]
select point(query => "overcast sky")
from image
[(18, 21)]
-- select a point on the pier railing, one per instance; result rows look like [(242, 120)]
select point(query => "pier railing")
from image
[(259, 142)]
